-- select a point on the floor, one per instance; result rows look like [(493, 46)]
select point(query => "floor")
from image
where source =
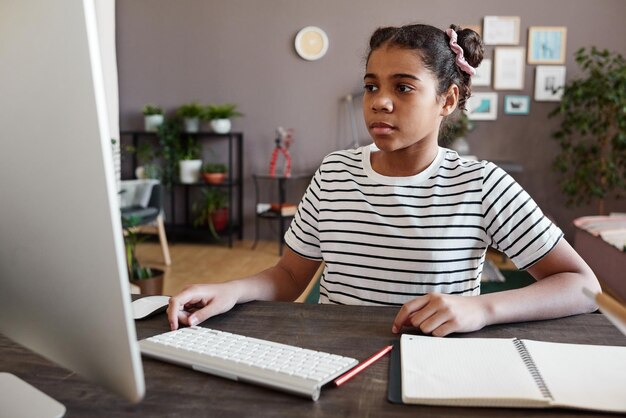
[(202, 263)]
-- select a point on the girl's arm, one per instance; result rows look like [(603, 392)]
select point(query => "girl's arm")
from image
[(284, 281), (560, 276)]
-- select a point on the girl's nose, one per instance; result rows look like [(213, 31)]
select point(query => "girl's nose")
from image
[(382, 103)]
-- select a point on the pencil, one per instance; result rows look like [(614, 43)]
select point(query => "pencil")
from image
[(611, 308), (356, 370)]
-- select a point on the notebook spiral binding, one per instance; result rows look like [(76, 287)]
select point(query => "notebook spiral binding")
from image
[(532, 368)]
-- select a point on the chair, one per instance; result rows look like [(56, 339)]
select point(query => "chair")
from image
[(143, 200)]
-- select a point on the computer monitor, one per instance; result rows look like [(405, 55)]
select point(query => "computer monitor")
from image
[(64, 290)]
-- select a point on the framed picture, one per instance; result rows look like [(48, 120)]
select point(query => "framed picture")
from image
[(546, 45), (549, 82), (483, 74), (509, 65), (501, 30), (516, 105), (482, 106)]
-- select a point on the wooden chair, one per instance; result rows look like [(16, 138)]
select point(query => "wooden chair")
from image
[(149, 217)]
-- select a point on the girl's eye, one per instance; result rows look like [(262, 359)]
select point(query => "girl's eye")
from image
[(403, 88), (370, 88)]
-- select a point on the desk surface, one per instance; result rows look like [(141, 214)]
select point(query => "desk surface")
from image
[(347, 330)]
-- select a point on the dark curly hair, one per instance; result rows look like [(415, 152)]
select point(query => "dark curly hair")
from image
[(433, 46)]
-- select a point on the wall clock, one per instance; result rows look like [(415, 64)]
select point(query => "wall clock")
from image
[(311, 43)]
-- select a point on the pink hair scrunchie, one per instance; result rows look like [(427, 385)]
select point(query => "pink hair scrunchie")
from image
[(460, 59)]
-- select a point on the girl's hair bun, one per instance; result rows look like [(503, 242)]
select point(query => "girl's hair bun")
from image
[(472, 44)]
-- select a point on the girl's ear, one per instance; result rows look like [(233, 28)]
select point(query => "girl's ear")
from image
[(451, 100)]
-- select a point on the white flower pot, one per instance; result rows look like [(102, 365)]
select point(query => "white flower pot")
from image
[(192, 125), (221, 126), (190, 171), (152, 122)]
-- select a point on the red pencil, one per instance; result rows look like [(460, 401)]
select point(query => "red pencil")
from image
[(356, 370)]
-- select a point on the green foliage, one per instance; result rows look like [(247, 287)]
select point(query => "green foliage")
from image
[(190, 150), (455, 126), (150, 109), (131, 238), (592, 135), (212, 200), (214, 168), (169, 141), (190, 110), (223, 111)]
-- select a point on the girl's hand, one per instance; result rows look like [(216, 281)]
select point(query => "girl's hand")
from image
[(440, 314), (197, 303)]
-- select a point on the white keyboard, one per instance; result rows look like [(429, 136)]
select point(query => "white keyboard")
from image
[(279, 366)]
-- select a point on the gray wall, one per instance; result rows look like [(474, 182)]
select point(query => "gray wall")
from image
[(173, 52)]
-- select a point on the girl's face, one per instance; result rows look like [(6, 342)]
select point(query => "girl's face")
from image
[(400, 105)]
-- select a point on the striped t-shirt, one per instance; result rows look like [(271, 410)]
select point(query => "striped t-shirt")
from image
[(386, 240)]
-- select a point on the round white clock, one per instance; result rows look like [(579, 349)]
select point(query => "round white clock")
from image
[(311, 43)]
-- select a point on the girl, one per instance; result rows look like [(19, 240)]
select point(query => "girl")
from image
[(404, 222)]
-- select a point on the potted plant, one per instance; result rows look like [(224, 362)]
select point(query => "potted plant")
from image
[(153, 117), (453, 132), (169, 149), (214, 173), (149, 280), (191, 113), (190, 162), (592, 135), (212, 210), (220, 116), (146, 168)]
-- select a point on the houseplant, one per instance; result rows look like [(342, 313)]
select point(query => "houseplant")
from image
[(453, 132), (191, 113), (147, 167), (592, 135), (169, 149), (212, 210), (214, 173), (220, 116), (190, 162), (153, 117), (149, 280)]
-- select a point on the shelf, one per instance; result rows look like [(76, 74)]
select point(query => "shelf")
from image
[(181, 195)]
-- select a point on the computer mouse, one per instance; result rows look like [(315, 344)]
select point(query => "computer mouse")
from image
[(149, 305)]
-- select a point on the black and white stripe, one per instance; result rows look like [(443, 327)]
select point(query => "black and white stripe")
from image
[(386, 240)]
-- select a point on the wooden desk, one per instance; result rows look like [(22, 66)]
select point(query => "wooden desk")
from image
[(348, 330)]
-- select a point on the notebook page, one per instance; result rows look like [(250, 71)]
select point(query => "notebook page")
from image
[(465, 371), (582, 376)]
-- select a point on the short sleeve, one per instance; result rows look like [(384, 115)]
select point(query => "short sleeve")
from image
[(303, 234), (514, 223)]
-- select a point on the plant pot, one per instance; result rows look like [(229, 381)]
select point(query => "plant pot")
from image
[(214, 178), (151, 286), (221, 126), (152, 122), (190, 171), (192, 125), (220, 219)]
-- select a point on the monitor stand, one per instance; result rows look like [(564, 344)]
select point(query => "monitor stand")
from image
[(21, 400)]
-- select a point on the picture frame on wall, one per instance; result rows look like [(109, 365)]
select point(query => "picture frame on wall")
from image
[(509, 65), (549, 82), (516, 105), (483, 74), (501, 30), (546, 44), (482, 106)]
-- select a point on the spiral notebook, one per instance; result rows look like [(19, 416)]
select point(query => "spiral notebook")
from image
[(493, 372)]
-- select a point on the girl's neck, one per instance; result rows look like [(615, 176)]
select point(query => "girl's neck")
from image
[(405, 162)]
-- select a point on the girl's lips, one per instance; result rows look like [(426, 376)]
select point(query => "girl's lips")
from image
[(381, 128)]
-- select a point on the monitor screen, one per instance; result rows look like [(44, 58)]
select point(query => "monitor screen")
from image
[(64, 289)]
